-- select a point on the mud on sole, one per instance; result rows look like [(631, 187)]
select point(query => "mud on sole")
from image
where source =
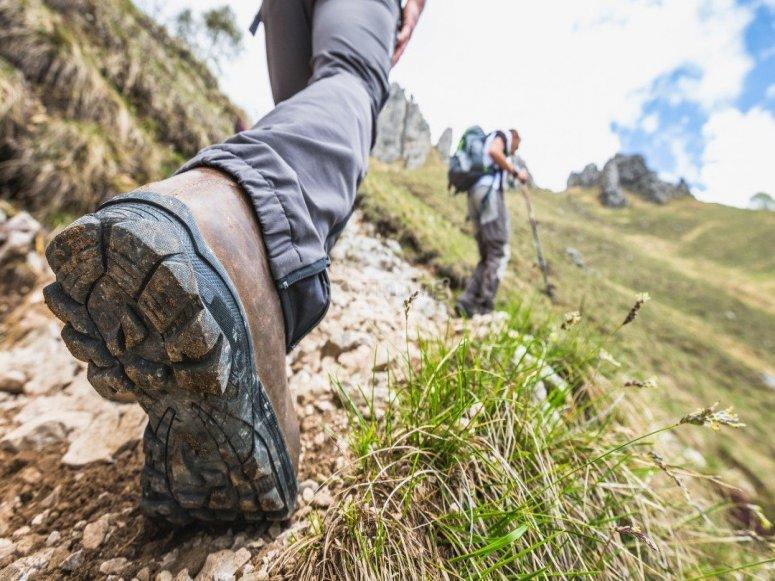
[(150, 309)]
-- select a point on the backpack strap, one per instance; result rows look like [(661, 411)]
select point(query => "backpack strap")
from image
[(505, 139)]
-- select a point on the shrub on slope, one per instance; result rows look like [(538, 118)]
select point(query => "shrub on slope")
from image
[(97, 99)]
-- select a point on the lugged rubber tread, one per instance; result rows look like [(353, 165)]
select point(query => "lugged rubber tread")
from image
[(149, 308), (87, 348), (69, 310), (77, 258)]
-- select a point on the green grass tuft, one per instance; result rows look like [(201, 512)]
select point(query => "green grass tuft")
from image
[(474, 473)]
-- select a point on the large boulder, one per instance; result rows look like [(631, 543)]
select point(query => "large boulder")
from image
[(610, 193), (403, 134), (417, 137), (445, 143)]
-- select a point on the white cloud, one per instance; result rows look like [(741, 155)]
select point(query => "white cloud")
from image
[(650, 124), (771, 91), (738, 160)]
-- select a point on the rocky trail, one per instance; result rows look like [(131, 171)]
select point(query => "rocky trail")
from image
[(71, 461)]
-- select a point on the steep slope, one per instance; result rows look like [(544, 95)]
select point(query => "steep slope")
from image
[(707, 335), (95, 98)]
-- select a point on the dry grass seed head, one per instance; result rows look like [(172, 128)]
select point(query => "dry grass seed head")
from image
[(640, 300), (713, 419), (570, 319)]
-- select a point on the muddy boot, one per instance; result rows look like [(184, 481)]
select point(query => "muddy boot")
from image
[(167, 294)]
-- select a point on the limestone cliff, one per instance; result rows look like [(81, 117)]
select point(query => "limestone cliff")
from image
[(403, 134)]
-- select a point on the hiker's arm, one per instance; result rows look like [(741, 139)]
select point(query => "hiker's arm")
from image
[(499, 158), (411, 16)]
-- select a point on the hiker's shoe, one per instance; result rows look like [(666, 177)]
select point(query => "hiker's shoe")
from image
[(151, 300), (463, 310)]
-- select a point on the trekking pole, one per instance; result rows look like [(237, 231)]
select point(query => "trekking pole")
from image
[(549, 290)]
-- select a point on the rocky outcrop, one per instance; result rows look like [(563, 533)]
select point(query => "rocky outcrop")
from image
[(403, 134), (445, 143), (589, 177), (417, 137), (389, 146), (610, 191), (635, 175), (628, 172)]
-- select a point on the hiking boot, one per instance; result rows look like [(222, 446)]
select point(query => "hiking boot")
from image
[(167, 294), (463, 310)]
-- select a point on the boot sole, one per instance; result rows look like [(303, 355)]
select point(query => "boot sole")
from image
[(151, 310)]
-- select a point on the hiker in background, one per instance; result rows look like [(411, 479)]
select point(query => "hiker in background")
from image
[(489, 156)]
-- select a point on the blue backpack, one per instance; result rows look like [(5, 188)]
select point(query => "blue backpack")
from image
[(466, 165)]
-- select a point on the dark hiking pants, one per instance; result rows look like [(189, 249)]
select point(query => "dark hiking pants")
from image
[(302, 163), (487, 210)]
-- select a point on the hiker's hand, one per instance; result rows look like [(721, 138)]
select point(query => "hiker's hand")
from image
[(412, 12), (522, 176)]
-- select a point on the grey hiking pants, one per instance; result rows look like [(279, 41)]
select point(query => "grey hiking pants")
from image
[(487, 210), (302, 163)]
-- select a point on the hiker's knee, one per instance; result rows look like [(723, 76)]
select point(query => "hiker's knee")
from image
[(498, 250)]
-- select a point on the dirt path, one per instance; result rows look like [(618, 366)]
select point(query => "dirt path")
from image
[(71, 462)]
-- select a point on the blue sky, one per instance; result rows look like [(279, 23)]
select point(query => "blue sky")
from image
[(670, 132), (689, 83)]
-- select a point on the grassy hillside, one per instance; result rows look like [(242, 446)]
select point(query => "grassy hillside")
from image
[(95, 99), (707, 335)]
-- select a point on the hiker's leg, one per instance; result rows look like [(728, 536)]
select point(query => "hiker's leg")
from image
[(471, 297), (495, 238), (166, 292), (301, 164), (288, 26), (495, 266)]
